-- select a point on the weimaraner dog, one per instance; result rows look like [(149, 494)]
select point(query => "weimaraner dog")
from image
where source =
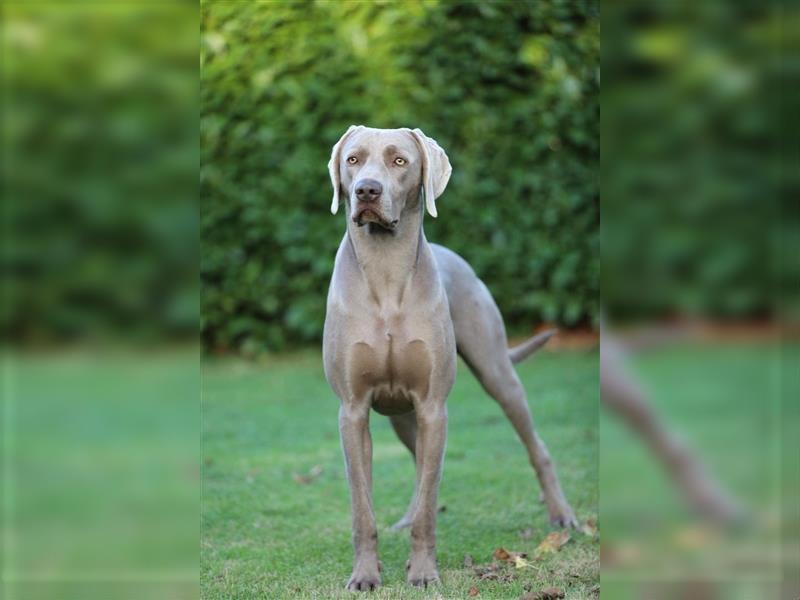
[(399, 309)]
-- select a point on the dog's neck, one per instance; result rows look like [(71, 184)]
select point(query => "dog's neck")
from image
[(388, 259)]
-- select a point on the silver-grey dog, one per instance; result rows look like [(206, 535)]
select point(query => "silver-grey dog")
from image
[(398, 310)]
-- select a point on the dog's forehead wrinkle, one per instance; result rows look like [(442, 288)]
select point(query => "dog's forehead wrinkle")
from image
[(379, 140), (407, 148)]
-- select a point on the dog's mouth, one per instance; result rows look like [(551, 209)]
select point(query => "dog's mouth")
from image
[(374, 218)]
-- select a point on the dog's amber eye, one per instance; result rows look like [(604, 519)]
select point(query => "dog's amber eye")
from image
[(352, 160), (399, 161)]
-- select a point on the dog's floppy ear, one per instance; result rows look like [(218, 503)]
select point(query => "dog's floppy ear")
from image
[(333, 167), (436, 169)]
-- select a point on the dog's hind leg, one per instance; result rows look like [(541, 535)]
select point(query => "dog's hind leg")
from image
[(481, 341), (405, 426), (498, 377)]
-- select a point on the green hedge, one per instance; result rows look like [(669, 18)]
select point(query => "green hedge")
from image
[(701, 217), (98, 172), (510, 90)]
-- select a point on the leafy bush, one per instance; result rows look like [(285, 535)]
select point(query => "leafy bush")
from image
[(99, 177), (509, 89), (700, 213)]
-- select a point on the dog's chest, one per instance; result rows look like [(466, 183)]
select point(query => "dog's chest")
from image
[(391, 363)]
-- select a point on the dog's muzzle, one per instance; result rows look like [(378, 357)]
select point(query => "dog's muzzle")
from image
[(368, 214)]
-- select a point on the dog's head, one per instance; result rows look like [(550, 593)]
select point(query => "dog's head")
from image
[(381, 171)]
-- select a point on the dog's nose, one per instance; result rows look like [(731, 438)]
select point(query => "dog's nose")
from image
[(368, 190)]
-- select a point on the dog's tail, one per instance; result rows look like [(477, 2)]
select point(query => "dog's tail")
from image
[(528, 347)]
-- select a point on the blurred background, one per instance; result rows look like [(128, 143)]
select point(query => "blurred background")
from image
[(100, 297), (700, 243), (508, 89), (102, 262)]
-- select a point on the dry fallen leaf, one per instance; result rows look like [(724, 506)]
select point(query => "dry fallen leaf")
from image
[(518, 559), (473, 591), (553, 542), (589, 528), (508, 556), (502, 554), (521, 563)]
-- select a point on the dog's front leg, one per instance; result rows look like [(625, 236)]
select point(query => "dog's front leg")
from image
[(431, 438), (357, 446)]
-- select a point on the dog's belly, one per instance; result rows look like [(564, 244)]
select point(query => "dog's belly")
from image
[(390, 372)]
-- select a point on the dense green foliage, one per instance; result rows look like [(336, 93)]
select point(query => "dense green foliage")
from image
[(509, 89), (99, 171), (700, 211)]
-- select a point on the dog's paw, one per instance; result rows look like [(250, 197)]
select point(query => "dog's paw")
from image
[(424, 579), (422, 572), (363, 584), (564, 517), (364, 580)]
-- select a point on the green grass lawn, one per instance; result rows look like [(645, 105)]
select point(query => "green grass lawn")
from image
[(264, 535), (100, 485), (729, 401)]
